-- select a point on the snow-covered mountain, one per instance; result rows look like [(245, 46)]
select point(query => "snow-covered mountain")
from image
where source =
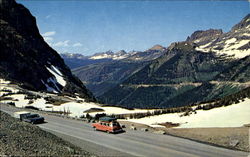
[(73, 55), (74, 60), (235, 43), (98, 56)]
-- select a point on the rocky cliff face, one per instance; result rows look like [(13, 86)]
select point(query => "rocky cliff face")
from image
[(28, 60), (199, 36)]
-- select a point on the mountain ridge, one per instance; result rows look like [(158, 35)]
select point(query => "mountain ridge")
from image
[(200, 75)]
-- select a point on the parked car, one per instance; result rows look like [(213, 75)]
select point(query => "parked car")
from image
[(28, 117), (108, 124), (21, 113)]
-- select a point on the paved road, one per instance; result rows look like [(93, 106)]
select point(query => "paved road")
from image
[(131, 143)]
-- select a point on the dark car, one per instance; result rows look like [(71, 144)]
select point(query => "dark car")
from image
[(32, 118)]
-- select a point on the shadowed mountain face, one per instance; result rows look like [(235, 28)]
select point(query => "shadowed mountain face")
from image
[(27, 59), (103, 76), (189, 72)]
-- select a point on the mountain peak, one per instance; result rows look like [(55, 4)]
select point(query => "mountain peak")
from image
[(182, 46), (157, 47), (244, 23), (198, 35), (121, 52)]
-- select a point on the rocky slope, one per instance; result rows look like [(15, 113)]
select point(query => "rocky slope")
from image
[(23, 139), (187, 73), (28, 60)]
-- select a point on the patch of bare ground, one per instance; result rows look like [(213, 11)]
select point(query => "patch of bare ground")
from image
[(170, 125)]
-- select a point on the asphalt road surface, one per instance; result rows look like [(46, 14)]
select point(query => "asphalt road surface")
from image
[(130, 143)]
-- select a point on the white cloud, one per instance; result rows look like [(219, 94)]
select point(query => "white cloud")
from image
[(47, 34), (62, 43), (77, 45), (48, 16)]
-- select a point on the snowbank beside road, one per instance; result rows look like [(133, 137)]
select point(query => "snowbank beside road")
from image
[(234, 115)]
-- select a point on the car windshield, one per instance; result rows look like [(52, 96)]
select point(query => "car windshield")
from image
[(33, 116), (115, 124)]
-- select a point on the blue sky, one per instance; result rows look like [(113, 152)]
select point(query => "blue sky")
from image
[(88, 27)]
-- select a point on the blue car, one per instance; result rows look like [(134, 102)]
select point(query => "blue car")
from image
[(32, 118)]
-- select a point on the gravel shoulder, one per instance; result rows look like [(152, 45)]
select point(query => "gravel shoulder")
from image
[(233, 138), (23, 139)]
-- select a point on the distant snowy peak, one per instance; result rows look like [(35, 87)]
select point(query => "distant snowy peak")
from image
[(235, 43), (150, 54), (73, 55), (110, 55), (98, 56), (121, 52)]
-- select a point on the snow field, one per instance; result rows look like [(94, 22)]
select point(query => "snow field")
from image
[(234, 115)]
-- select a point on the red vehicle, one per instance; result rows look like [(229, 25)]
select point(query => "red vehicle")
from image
[(108, 124)]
